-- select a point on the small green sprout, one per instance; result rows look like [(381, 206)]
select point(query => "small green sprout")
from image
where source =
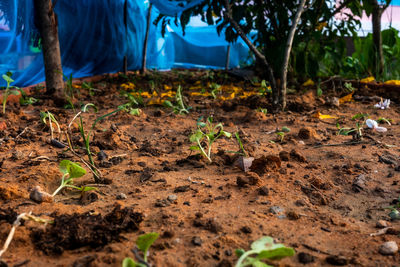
[(263, 110), (384, 120), (319, 89), (360, 116), (48, 118), (349, 87), (215, 88), (265, 249), (10, 90), (143, 243), (86, 136), (265, 89), (243, 153), (179, 107), (356, 132), (70, 171), (210, 134), (132, 106), (281, 136), (89, 86)]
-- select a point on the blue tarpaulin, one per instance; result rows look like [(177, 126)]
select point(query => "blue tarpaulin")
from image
[(93, 39)]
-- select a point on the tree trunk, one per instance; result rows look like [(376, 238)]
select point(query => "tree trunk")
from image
[(377, 38), (282, 93), (46, 22)]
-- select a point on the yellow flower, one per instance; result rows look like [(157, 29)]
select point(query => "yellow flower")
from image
[(155, 101), (309, 82), (167, 87), (346, 98), (392, 82), (145, 94), (368, 79)]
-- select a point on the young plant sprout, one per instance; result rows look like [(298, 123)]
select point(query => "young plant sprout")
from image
[(143, 243), (10, 90), (70, 171), (264, 249), (132, 106), (207, 132), (86, 136), (48, 118), (179, 107)]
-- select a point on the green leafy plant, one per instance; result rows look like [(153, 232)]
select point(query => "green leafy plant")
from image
[(264, 249), (89, 86), (143, 243), (70, 171), (179, 106), (26, 100), (243, 152), (349, 87), (10, 90), (356, 132), (208, 133), (265, 88), (263, 110), (86, 135), (394, 213), (281, 133), (134, 102)]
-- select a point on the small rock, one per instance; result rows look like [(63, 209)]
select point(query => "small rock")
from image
[(337, 260), (246, 230), (284, 156), (276, 210), (161, 203), (300, 203), (359, 183), (292, 215), (388, 248), (197, 241), (183, 188), (88, 197), (39, 196), (382, 224), (102, 155), (305, 258), (297, 156), (172, 198), (306, 133), (228, 252), (333, 101), (121, 196), (263, 191)]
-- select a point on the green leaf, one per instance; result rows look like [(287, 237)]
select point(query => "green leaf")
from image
[(277, 253), (145, 241), (14, 92), (73, 169), (128, 262), (135, 111), (86, 107), (168, 104), (7, 78), (264, 243), (88, 188), (239, 252), (198, 135), (194, 148), (227, 134)]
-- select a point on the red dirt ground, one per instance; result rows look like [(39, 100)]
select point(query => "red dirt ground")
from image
[(218, 207)]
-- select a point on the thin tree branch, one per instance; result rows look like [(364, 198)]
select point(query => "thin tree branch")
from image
[(289, 43), (252, 47)]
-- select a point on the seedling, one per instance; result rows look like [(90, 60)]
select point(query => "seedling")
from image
[(143, 243), (179, 107), (132, 106), (356, 132), (265, 89), (210, 134), (319, 89), (48, 118), (360, 116), (243, 153), (10, 90), (349, 87), (264, 249), (263, 110), (215, 88), (394, 213), (86, 136), (90, 88), (281, 133), (70, 171), (384, 120)]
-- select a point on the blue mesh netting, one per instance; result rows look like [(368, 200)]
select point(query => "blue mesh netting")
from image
[(93, 39)]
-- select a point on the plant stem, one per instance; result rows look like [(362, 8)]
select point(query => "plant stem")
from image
[(203, 152), (239, 263), (61, 186)]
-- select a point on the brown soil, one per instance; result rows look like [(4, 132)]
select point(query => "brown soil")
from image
[(324, 201)]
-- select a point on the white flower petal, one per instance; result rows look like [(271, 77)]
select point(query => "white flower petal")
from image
[(381, 129), (371, 123)]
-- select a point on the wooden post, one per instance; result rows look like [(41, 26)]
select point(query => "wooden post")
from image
[(46, 22), (125, 63), (228, 54), (144, 61)]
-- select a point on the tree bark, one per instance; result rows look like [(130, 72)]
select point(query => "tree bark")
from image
[(377, 38), (282, 93), (46, 22)]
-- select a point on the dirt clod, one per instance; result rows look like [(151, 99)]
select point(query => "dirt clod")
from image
[(70, 232)]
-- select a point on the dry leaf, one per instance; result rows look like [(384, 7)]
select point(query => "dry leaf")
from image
[(346, 98), (322, 116)]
